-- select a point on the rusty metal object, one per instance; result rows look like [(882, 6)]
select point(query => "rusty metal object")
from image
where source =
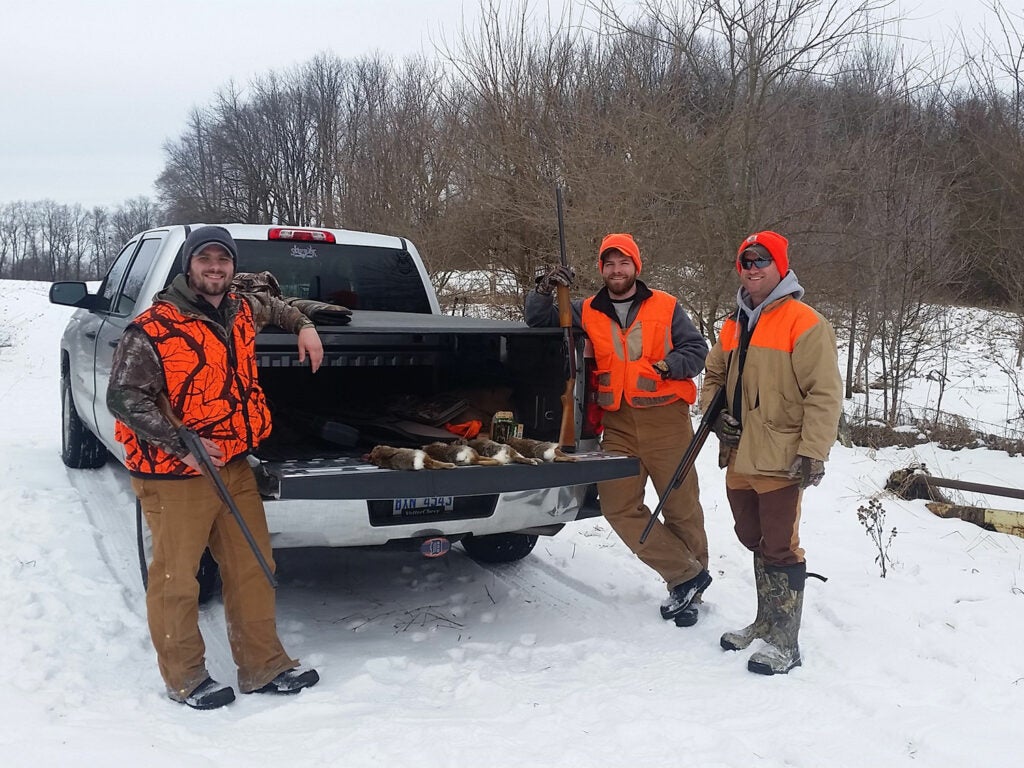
[(914, 482), (963, 485)]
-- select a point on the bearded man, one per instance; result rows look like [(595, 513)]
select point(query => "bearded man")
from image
[(647, 352)]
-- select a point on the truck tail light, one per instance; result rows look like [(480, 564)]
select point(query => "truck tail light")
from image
[(308, 235), (592, 412)]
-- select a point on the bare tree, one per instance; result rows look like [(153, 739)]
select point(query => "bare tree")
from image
[(991, 189)]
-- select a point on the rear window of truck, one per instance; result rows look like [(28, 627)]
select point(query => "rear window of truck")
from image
[(354, 276)]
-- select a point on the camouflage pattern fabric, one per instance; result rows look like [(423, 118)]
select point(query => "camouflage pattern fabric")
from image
[(137, 376), (215, 392), (742, 638), (321, 312), (256, 282), (783, 593)]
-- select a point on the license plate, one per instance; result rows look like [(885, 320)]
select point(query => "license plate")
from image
[(423, 505)]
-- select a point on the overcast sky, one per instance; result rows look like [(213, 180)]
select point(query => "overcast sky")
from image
[(91, 89)]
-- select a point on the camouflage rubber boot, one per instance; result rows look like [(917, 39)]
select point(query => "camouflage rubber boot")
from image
[(785, 602), (741, 638)]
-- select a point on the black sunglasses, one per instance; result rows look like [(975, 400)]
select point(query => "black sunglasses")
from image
[(758, 261)]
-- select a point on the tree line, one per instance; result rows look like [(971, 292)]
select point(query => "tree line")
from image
[(47, 240), (897, 175)]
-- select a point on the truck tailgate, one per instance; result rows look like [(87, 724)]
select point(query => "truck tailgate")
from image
[(350, 478)]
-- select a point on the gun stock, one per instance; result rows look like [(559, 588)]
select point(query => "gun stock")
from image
[(567, 432)]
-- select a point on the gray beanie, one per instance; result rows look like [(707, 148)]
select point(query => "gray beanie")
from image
[(204, 236)]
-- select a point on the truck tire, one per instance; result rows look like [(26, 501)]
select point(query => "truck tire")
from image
[(208, 574), (79, 448), (499, 547)]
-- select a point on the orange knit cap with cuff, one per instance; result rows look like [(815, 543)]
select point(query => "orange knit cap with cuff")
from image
[(776, 245), (623, 243)]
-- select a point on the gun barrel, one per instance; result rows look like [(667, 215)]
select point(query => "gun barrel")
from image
[(689, 457), (196, 448), (567, 432)]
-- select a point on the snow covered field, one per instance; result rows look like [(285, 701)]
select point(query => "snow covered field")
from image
[(559, 660)]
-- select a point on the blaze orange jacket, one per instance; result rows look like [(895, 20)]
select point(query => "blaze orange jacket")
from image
[(211, 386), (624, 356)]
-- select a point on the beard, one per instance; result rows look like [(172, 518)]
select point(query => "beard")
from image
[(619, 286), (210, 286)]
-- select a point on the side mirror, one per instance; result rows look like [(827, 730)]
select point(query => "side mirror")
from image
[(72, 295)]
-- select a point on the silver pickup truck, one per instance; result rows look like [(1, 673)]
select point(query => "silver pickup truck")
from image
[(391, 375)]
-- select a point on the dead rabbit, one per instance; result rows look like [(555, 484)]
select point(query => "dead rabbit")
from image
[(459, 454), (538, 449), (502, 453), (386, 457)]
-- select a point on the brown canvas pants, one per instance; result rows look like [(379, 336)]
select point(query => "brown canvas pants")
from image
[(678, 548), (186, 516), (766, 513)]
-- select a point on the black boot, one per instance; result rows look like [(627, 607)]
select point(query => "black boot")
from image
[(209, 694), (290, 681), (785, 602), (681, 595), (741, 638), (688, 616)]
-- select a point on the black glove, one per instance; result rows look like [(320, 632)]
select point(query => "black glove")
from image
[(662, 368), (554, 277), (809, 471), (728, 430)]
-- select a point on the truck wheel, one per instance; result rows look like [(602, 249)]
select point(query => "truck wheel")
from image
[(208, 574), (499, 547), (79, 448)]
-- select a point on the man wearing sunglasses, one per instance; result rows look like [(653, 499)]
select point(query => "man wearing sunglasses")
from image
[(776, 358)]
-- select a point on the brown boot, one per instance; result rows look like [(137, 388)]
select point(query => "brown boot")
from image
[(785, 602), (741, 638)]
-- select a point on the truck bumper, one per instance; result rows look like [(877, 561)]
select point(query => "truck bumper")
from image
[(355, 508)]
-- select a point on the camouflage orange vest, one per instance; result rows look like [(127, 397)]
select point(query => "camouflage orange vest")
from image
[(211, 387), (624, 356)]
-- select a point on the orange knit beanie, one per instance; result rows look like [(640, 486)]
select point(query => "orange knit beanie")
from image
[(623, 243), (776, 245)]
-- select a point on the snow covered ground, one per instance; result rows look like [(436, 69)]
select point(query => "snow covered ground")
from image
[(559, 660)]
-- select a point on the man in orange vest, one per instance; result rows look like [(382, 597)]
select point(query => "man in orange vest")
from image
[(647, 352), (776, 357), (196, 346)]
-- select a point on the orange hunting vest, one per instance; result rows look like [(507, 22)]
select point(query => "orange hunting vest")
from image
[(624, 357), (212, 388)]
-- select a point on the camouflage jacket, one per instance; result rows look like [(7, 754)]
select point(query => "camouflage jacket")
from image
[(137, 374)]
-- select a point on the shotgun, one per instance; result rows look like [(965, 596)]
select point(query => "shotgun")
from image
[(195, 446), (567, 432), (690, 457)]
